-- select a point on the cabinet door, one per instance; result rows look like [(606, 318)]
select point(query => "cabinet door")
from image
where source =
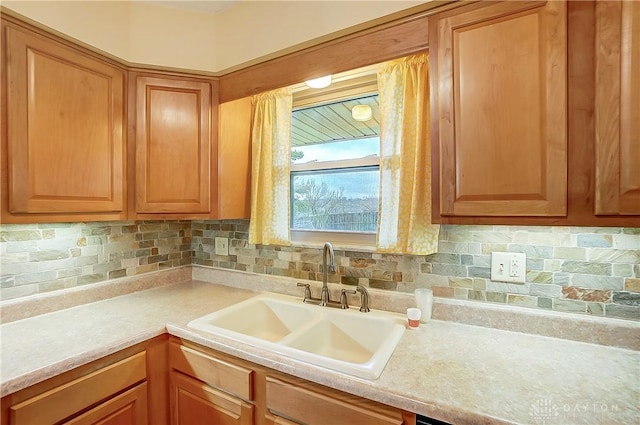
[(305, 405), (196, 403), (499, 103), (128, 408), (617, 108), (173, 146), (65, 128)]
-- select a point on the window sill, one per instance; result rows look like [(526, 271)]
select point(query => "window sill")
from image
[(350, 241)]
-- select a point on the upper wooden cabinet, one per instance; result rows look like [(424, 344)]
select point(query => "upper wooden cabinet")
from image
[(617, 108), (499, 102), (65, 152), (234, 159), (173, 145)]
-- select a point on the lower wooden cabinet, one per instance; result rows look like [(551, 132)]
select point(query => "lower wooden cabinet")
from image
[(167, 380), (113, 394), (196, 403), (128, 408), (317, 405), (272, 419), (208, 387), (129, 387)]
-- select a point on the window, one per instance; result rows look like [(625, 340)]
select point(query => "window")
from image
[(335, 165)]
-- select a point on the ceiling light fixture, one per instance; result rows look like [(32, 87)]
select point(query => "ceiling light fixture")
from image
[(361, 113), (319, 83)]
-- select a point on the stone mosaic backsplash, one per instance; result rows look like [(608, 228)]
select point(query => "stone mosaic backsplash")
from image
[(45, 257), (590, 270), (586, 270)]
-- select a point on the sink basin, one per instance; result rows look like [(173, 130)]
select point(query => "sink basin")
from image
[(264, 318), (348, 341)]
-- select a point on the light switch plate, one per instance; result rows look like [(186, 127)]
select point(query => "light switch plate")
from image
[(222, 246), (508, 267)]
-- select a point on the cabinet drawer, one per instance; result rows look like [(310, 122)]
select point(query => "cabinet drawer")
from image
[(217, 373), (61, 402), (129, 407), (316, 408)]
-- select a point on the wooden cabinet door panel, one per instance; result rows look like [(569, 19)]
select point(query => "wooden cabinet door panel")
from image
[(617, 109), (65, 129), (173, 146), (501, 107), (128, 408), (196, 403)]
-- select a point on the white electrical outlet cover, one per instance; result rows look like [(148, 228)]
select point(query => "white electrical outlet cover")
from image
[(508, 267), (221, 246)]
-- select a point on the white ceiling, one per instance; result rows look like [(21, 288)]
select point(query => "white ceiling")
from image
[(208, 6)]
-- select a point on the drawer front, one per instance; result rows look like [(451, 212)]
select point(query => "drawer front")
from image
[(66, 400), (217, 373), (309, 407)]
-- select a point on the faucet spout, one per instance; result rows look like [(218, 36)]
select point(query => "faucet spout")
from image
[(326, 250)]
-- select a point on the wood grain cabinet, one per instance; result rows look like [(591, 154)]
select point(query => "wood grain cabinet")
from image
[(174, 167), (113, 394), (234, 159), (212, 388), (617, 108), (499, 109), (64, 154), (314, 405), (208, 390)]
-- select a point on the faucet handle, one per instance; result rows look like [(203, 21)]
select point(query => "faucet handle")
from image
[(364, 299), (343, 298), (307, 291)]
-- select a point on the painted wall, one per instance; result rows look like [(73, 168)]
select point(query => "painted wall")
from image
[(172, 37), (148, 33), (252, 29), (101, 24)]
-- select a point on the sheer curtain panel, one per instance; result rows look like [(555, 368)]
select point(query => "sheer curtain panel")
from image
[(405, 158), (271, 159)]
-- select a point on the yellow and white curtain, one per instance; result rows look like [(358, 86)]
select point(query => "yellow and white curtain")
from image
[(404, 224), (271, 150)]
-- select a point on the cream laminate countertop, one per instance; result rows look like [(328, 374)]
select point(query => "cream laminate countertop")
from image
[(450, 371)]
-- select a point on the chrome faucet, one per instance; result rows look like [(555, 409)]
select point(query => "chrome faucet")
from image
[(328, 249), (325, 300)]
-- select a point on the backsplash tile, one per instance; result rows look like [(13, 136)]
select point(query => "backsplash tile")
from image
[(45, 257), (585, 270)]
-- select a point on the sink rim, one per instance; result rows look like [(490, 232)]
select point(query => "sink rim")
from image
[(370, 369)]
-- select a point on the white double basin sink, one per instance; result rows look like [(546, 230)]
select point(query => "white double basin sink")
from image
[(348, 341)]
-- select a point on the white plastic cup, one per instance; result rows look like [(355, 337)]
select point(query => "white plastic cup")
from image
[(424, 301), (413, 317)]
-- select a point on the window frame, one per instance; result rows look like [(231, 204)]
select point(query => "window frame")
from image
[(357, 83)]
